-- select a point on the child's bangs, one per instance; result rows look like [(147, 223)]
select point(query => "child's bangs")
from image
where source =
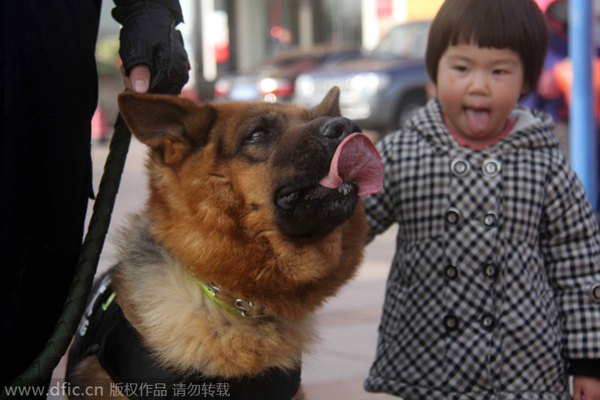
[(488, 29)]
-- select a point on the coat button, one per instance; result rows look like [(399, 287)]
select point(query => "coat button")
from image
[(451, 322), (488, 322), (451, 272), (491, 167), (595, 292), (490, 219), (491, 271), (452, 217), (460, 167)]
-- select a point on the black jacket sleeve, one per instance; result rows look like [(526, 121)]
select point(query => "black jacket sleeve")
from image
[(589, 367), (148, 36)]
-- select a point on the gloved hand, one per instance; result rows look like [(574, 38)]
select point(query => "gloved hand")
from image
[(148, 36)]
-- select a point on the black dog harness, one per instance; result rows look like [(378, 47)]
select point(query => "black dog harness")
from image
[(105, 332)]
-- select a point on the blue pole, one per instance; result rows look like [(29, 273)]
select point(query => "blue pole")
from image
[(582, 123)]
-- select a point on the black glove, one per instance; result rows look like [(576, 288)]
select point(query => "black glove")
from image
[(148, 36)]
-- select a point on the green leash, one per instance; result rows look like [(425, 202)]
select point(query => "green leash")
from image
[(40, 370)]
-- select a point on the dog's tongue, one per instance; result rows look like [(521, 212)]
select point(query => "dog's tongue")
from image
[(356, 160), (478, 120)]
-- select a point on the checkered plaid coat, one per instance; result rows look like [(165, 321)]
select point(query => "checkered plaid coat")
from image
[(491, 290)]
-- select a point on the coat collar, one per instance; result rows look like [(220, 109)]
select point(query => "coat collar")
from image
[(533, 129)]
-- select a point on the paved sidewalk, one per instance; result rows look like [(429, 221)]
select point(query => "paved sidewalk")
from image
[(337, 367), (339, 363)]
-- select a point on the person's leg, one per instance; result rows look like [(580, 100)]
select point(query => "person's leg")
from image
[(48, 93)]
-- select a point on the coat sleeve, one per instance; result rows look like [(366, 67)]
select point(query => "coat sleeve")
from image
[(379, 207), (570, 243), (124, 8)]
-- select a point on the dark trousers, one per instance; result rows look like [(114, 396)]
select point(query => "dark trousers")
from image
[(48, 93)]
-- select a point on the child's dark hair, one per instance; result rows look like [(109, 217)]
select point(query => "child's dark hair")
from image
[(518, 25)]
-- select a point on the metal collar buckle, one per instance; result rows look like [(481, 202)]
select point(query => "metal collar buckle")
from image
[(241, 306)]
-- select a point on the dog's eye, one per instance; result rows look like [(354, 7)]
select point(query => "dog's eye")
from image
[(256, 136)]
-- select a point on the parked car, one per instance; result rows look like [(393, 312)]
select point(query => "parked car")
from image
[(382, 90), (274, 80)]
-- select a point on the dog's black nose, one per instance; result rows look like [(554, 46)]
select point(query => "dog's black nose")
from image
[(338, 127)]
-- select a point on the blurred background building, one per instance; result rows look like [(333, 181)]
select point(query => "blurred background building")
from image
[(225, 36), (236, 35)]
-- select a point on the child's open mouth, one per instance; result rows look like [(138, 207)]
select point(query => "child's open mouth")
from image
[(478, 119)]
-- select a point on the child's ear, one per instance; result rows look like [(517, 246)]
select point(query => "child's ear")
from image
[(525, 89), (431, 89)]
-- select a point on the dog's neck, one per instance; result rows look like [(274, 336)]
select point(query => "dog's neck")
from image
[(186, 329)]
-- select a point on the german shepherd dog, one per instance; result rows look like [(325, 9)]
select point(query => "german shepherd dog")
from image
[(253, 220)]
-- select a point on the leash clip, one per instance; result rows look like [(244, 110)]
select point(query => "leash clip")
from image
[(213, 288), (245, 308), (241, 306)]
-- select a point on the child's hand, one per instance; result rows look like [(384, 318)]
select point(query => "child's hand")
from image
[(586, 388)]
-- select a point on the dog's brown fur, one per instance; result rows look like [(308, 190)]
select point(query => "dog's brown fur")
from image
[(212, 209)]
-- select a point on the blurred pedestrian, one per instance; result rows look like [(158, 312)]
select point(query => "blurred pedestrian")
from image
[(49, 91), (494, 292), (548, 96)]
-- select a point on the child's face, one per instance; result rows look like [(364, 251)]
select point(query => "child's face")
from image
[(477, 88)]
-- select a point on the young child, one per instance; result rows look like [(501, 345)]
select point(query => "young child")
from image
[(494, 292)]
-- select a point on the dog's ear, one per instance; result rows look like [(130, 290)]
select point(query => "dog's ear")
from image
[(168, 124), (330, 106)]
